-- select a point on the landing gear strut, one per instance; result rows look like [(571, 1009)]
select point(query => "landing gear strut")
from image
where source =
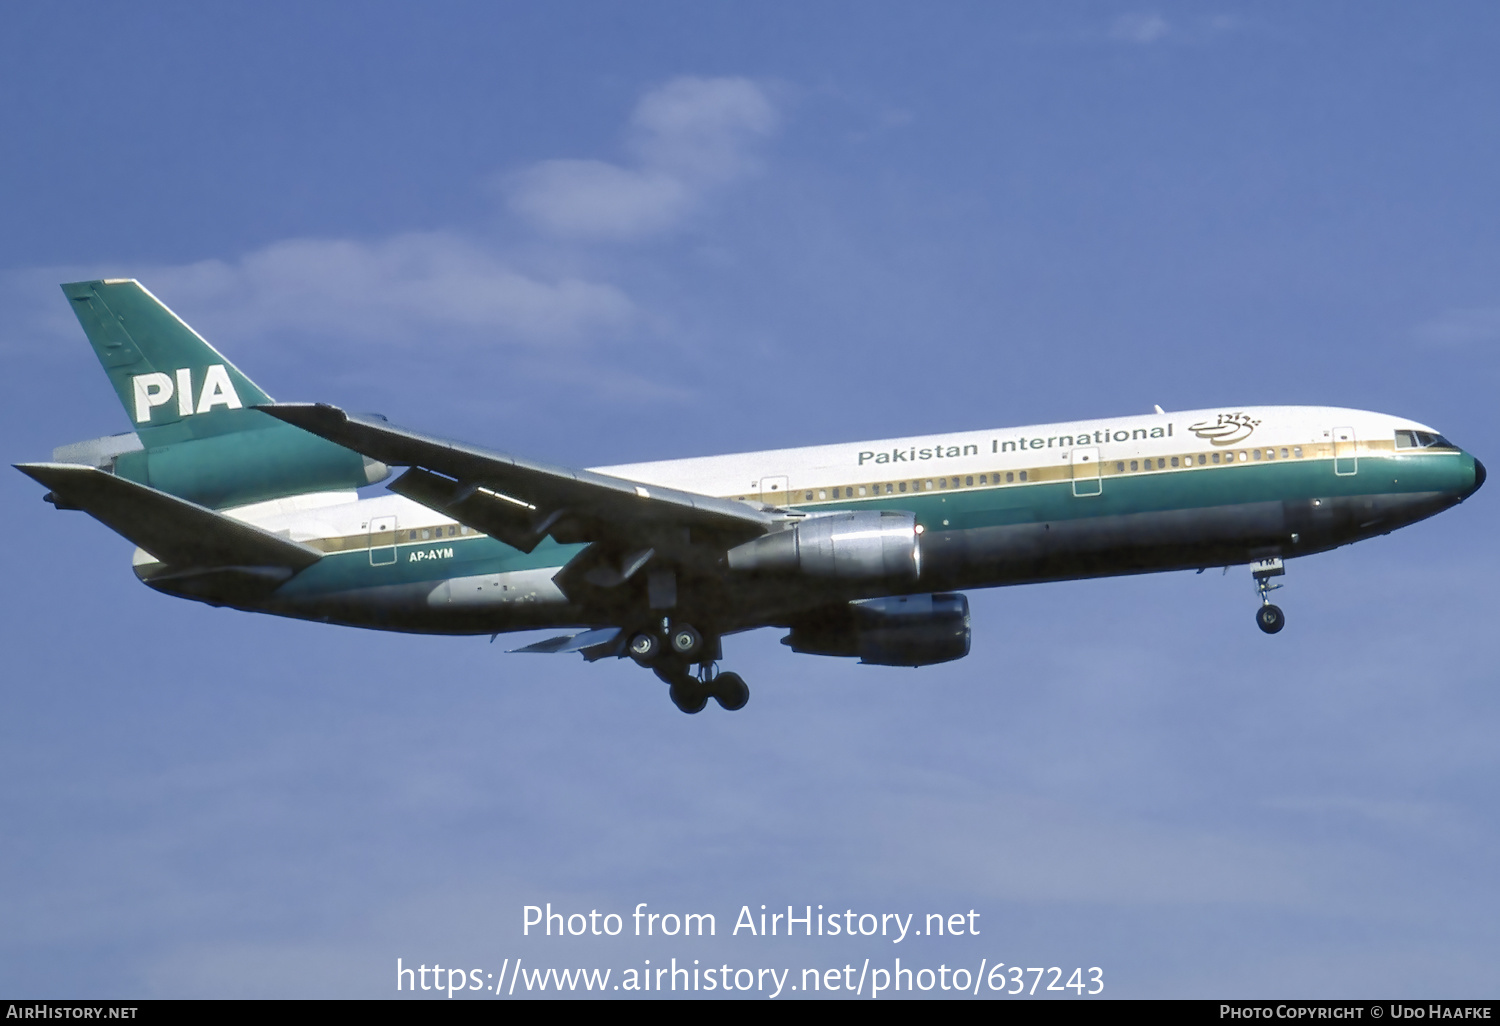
[(1268, 617)]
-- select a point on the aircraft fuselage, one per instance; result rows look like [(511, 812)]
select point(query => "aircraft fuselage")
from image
[(1014, 506)]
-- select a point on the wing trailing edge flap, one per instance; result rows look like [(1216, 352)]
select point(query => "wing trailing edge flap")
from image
[(177, 532), (513, 521), (594, 644)]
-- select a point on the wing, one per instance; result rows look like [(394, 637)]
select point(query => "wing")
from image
[(522, 501)]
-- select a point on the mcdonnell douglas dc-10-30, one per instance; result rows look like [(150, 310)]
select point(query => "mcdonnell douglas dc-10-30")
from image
[(856, 550)]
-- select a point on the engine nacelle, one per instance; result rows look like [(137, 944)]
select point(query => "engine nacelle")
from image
[(907, 630), (864, 544)]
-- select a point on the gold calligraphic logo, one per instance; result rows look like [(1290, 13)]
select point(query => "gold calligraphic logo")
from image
[(1227, 429)]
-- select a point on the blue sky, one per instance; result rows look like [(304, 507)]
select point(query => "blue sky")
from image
[(596, 233)]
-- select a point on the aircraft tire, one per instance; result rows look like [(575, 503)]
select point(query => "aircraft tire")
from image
[(685, 641), (731, 691), (1270, 618), (644, 648), (688, 695)]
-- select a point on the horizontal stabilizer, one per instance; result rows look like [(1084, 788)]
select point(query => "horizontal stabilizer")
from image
[(175, 531), (574, 642)]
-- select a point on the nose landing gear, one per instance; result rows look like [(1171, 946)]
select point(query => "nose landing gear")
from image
[(1268, 617)]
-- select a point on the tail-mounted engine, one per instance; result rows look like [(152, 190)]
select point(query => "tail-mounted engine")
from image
[(906, 630), (866, 544)]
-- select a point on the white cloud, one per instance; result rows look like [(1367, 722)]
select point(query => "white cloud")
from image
[(1458, 328), (581, 198), (1139, 27), (398, 287), (687, 138), (1143, 28), (702, 129), (431, 286)]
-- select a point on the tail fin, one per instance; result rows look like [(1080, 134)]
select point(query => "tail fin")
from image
[(173, 384), (200, 439)]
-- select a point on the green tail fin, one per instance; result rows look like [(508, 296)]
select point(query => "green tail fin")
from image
[(192, 409), (174, 385)]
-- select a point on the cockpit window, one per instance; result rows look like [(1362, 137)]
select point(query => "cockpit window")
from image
[(1421, 440)]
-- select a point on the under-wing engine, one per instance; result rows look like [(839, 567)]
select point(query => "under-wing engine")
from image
[(906, 630), (863, 544)]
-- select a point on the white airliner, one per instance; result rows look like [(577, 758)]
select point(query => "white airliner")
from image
[(857, 550)]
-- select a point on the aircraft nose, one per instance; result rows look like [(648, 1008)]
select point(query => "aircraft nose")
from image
[(1479, 476)]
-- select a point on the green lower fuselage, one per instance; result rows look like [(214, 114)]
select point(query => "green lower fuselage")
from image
[(441, 578)]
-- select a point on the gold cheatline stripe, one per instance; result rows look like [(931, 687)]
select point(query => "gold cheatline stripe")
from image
[(1236, 456), (923, 484)]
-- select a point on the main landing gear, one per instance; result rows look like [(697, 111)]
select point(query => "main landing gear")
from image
[(1268, 617), (684, 659), (690, 692)]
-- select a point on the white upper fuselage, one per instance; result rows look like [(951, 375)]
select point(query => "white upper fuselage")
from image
[(770, 474)]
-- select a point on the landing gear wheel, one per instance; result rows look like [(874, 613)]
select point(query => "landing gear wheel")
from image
[(684, 641), (688, 695), (730, 691), (1270, 618), (644, 648)]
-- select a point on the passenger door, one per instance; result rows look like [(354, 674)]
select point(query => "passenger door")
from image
[(382, 541), (1345, 462), (1086, 472)]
